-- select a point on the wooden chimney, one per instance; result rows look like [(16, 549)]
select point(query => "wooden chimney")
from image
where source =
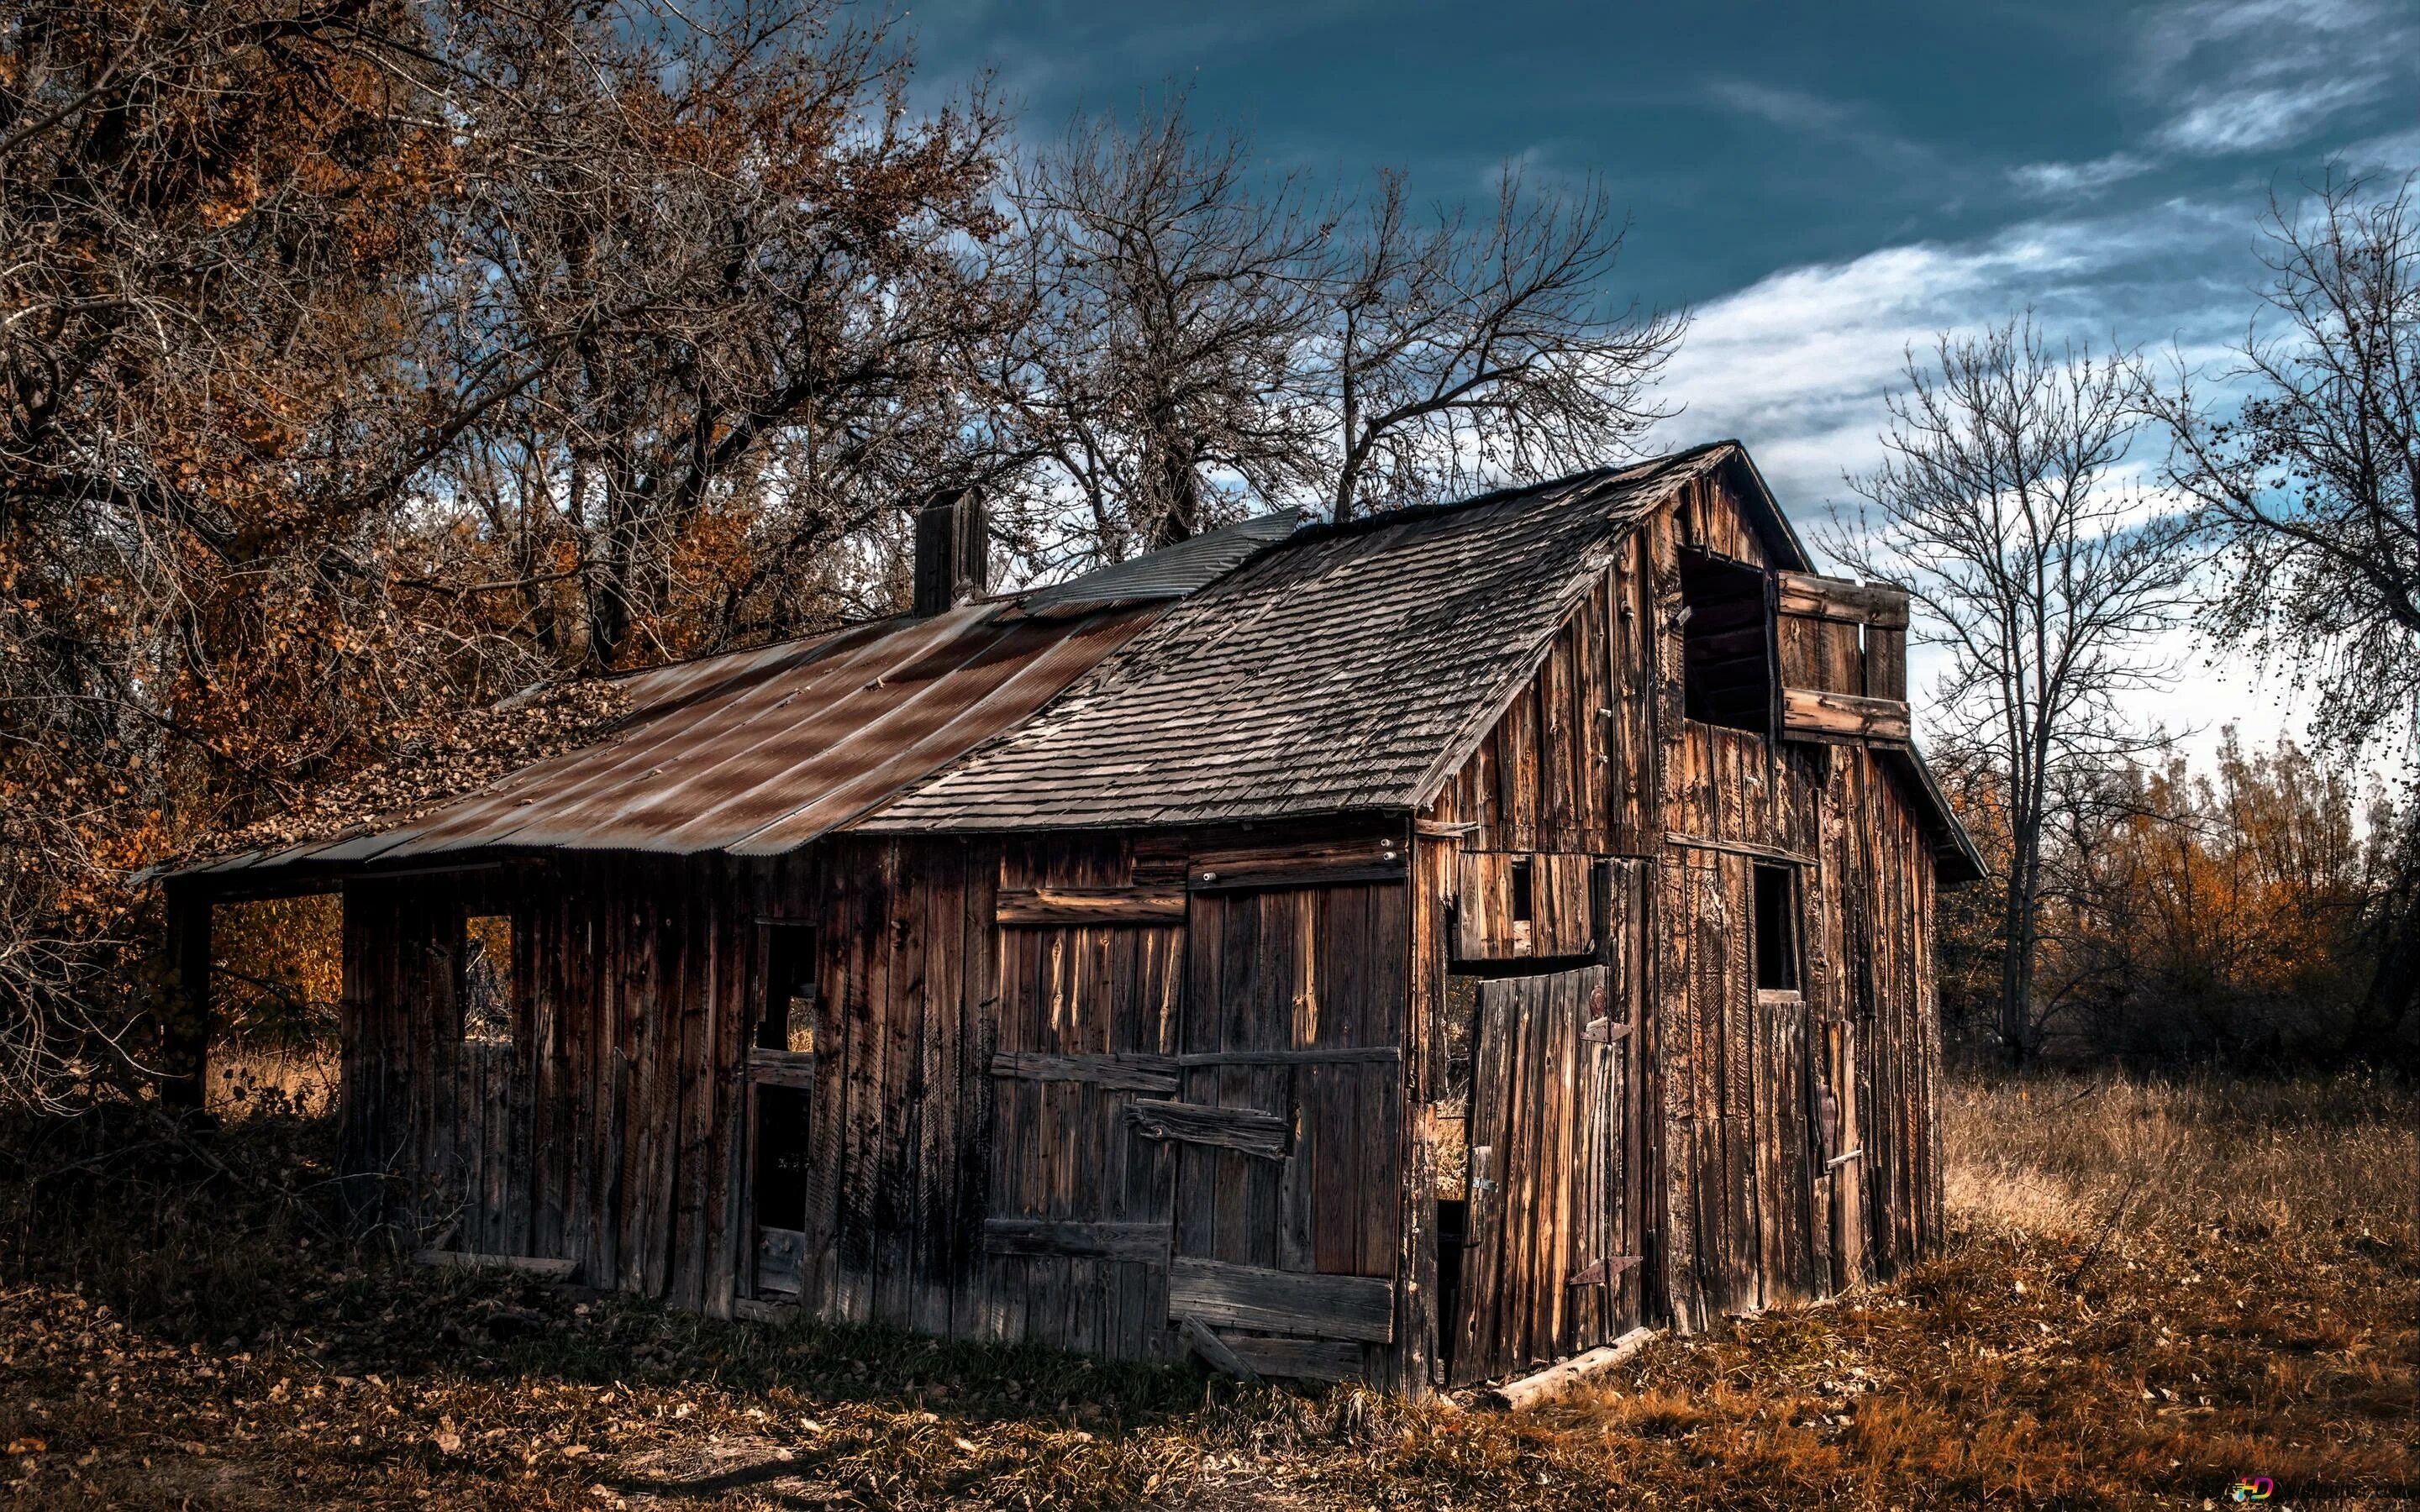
[(952, 551)]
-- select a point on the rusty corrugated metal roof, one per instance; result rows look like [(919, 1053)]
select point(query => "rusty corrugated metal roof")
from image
[(759, 751)]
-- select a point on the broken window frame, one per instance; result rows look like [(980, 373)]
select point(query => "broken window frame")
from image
[(487, 993)]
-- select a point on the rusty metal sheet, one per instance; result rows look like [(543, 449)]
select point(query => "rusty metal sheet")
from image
[(758, 753)]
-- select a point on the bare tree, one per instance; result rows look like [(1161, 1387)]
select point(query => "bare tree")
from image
[(2312, 489), (1201, 334), (357, 356), (1455, 352), (1997, 509), (1167, 291)]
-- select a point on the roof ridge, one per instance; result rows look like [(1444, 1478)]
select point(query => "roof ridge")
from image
[(1635, 472)]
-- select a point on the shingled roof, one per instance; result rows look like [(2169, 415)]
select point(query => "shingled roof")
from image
[(1342, 670)]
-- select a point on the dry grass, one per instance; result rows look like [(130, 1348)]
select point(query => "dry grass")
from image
[(2156, 1290)]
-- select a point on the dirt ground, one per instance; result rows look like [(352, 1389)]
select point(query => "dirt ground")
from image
[(2156, 1292)]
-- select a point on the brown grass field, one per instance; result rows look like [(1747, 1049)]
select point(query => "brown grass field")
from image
[(2155, 1290)]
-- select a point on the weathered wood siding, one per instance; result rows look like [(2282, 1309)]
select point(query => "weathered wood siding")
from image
[(1753, 1205), (1037, 1090), (1753, 1195), (605, 1131)]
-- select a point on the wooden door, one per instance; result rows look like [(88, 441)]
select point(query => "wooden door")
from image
[(1557, 1181), (1076, 1235), (780, 1077), (1286, 1124)]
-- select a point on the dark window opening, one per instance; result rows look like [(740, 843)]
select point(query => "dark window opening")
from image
[(490, 993), (781, 1195), (1726, 665), (788, 1021), (1524, 896), (1776, 930)]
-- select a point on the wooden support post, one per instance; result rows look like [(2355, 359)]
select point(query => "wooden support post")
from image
[(185, 1001)]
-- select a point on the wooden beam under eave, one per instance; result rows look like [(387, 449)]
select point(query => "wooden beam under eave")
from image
[(1836, 599)]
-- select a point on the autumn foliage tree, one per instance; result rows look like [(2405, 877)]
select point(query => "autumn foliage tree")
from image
[(2230, 914), (367, 359)]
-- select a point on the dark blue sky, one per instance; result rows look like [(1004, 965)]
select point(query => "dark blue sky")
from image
[(1747, 138), (1820, 185)]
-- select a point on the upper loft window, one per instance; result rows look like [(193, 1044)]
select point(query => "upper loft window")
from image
[(1726, 662)]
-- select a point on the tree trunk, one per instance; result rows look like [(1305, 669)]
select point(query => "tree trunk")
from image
[(2018, 937), (2385, 1028)]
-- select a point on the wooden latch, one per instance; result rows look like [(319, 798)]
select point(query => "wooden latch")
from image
[(1604, 1031)]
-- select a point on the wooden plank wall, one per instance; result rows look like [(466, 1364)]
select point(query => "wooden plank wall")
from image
[(1744, 1209), (606, 1132), (1570, 764), (1751, 1211), (1082, 1005), (976, 1164), (1293, 1006), (900, 1106)]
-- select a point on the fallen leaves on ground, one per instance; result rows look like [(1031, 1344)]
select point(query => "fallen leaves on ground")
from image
[(2146, 1364)]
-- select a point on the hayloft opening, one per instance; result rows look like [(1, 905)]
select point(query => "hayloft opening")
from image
[(1776, 930), (491, 996), (1726, 644)]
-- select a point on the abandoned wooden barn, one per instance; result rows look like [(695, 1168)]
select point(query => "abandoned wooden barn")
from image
[(1413, 949)]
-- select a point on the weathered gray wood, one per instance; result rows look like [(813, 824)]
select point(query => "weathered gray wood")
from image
[(1248, 1296), (1734, 847), (1247, 1130), (780, 1256), (1074, 1238), (553, 1270), (1213, 1349), (1295, 863), (1343, 1055), (752, 1310), (1117, 1074), (1298, 1359), (1535, 1390), (1216, 881), (782, 1067), (1091, 905)]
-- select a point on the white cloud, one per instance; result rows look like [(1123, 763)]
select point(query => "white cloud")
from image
[(2230, 120), (2062, 181), (2247, 75)]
